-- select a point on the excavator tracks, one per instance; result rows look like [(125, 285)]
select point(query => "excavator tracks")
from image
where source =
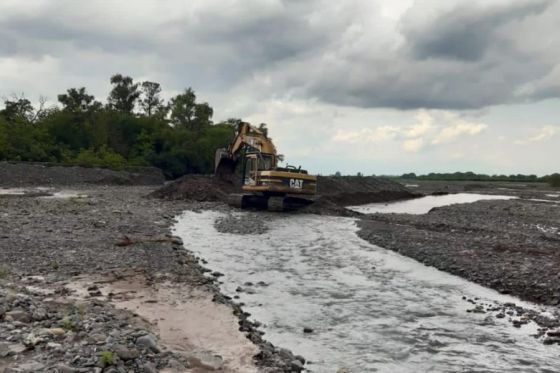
[(270, 203)]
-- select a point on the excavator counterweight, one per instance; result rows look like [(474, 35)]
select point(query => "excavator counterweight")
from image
[(251, 160)]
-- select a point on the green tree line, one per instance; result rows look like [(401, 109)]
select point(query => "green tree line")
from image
[(136, 127), (553, 179)]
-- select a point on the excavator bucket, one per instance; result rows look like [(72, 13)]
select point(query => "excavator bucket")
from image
[(224, 166)]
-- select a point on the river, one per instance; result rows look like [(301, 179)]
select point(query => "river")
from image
[(370, 309)]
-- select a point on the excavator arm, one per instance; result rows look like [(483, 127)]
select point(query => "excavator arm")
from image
[(248, 138)]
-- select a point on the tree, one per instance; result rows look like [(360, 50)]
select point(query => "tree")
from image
[(78, 101), (337, 174), (410, 175), (151, 102), (186, 113), (18, 108), (124, 94)]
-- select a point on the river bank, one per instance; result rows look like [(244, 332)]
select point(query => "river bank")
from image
[(512, 246)]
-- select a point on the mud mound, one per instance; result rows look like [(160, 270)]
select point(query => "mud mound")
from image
[(355, 190), (333, 192), (23, 174), (322, 206), (201, 188)]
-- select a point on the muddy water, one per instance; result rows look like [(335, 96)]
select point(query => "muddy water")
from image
[(185, 319), (424, 204), (370, 309)]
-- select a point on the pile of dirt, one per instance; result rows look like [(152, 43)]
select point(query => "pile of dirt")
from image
[(23, 174), (333, 193), (201, 188), (356, 190)]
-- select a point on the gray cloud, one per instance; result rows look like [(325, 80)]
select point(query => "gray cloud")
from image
[(460, 56), (464, 57), (466, 32)]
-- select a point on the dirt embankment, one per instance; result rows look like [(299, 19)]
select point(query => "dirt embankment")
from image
[(20, 174), (333, 193), (200, 188), (512, 246)]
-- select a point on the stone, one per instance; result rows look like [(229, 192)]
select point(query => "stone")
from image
[(54, 346), (175, 365), (55, 331), (9, 349), (307, 330), (97, 338), (553, 333), (32, 340), (31, 366), (63, 368), (125, 353), (206, 360), (149, 368), (17, 315), (551, 340), (147, 341), (39, 314), (296, 365)]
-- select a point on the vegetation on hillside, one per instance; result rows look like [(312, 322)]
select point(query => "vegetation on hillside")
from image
[(135, 128)]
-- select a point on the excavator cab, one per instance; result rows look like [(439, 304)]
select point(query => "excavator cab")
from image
[(255, 162)]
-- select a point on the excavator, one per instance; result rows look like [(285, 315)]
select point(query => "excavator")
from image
[(265, 185)]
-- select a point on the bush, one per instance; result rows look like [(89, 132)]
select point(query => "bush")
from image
[(101, 158), (554, 180)]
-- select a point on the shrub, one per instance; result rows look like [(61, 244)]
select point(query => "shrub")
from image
[(554, 180), (106, 358), (67, 324)]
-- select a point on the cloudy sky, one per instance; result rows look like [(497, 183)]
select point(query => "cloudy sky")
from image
[(381, 87)]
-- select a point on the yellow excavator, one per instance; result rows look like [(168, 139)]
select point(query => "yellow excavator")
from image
[(264, 183)]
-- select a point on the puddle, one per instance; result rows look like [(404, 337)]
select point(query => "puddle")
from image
[(66, 194), (12, 191), (41, 192), (186, 319), (542, 200), (411, 185), (424, 204), (370, 309)]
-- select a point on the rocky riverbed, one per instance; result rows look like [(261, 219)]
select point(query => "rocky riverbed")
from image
[(96, 236)]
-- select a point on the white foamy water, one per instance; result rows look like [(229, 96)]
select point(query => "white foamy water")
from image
[(424, 204), (12, 191), (371, 309)]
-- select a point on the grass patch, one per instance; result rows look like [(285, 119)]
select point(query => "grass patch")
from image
[(4, 272), (106, 358), (68, 324)]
